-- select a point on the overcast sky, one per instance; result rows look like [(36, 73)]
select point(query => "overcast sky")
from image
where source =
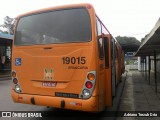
[(132, 18)]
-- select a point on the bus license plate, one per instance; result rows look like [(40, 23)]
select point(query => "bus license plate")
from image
[(49, 84)]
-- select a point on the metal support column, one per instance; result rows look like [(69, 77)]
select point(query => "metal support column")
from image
[(142, 64), (155, 71), (149, 68), (142, 68), (145, 67)]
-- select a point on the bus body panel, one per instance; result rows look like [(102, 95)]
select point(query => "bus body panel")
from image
[(122, 62), (90, 105), (43, 70), (113, 67), (108, 79), (118, 63), (37, 63), (101, 84)]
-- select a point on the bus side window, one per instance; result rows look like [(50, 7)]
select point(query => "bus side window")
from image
[(106, 51), (112, 49), (115, 48), (100, 40), (117, 52)]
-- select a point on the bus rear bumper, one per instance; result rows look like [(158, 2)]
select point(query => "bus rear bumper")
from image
[(90, 105)]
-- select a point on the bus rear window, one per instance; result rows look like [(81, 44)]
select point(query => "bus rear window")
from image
[(59, 26)]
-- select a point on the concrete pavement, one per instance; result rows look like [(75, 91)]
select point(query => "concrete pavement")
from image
[(139, 96)]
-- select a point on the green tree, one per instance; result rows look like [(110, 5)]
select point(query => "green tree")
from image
[(129, 44), (142, 40), (8, 25)]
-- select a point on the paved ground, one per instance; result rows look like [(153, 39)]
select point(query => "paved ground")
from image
[(139, 96)]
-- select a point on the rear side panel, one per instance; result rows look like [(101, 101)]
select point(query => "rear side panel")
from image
[(46, 71), (52, 72), (108, 74), (113, 67), (118, 63), (122, 62)]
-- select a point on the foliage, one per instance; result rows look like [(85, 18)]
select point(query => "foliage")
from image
[(128, 40), (8, 25), (129, 44), (142, 40)]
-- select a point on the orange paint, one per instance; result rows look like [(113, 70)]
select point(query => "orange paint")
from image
[(64, 63)]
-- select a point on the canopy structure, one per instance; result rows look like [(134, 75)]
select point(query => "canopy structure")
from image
[(6, 36), (151, 47), (151, 42), (5, 39)]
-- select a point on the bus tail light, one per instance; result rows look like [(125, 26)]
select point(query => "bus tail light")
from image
[(14, 77), (86, 92), (17, 88), (15, 81), (91, 76), (89, 85), (13, 74)]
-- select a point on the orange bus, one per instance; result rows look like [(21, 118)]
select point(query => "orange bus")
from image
[(64, 57)]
